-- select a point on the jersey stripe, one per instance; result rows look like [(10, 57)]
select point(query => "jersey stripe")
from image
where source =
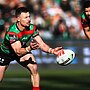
[(20, 34)]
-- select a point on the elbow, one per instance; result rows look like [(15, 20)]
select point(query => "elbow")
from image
[(18, 53)]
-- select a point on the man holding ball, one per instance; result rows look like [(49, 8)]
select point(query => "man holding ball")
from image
[(14, 46)]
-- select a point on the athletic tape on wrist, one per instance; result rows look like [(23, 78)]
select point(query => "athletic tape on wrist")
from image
[(27, 49)]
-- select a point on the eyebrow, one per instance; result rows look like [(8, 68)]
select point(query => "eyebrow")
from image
[(28, 16)]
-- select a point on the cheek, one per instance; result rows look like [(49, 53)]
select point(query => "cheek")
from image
[(23, 21), (86, 13)]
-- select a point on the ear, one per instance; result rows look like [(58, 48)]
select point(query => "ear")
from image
[(18, 19)]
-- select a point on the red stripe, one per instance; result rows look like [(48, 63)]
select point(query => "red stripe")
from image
[(26, 32), (12, 33), (85, 25), (85, 20)]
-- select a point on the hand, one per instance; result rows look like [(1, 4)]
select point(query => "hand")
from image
[(58, 51), (34, 45)]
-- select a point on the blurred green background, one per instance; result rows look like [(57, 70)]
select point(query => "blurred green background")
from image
[(49, 13), (75, 76), (62, 78)]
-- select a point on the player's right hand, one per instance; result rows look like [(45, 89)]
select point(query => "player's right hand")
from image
[(34, 45), (58, 51)]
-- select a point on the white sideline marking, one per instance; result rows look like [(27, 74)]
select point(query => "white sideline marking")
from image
[(16, 79)]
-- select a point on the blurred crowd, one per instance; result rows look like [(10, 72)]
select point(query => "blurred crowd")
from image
[(59, 19)]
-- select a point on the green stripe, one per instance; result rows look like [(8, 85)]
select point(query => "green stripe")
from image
[(83, 16)]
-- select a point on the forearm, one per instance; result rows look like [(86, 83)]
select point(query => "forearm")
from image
[(23, 51), (54, 51), (44, 47), (87, 32)]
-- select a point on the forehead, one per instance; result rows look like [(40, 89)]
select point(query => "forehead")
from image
[(87, 8), (24, 14)]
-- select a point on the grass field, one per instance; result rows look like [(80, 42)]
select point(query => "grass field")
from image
[(18, 79)]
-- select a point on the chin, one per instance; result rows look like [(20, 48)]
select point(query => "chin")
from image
[(28, 24), (89, 17)]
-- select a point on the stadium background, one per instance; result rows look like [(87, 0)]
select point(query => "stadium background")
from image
[(75, 76)]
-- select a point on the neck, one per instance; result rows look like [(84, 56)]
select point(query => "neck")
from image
[(20, 26)]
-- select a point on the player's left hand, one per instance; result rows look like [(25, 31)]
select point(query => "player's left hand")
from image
[(34, 45), (58, 51)]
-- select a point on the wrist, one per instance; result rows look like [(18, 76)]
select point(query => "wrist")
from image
[(28, 49), (51, 50)]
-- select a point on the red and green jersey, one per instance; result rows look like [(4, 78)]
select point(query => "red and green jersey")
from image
[(85, 21), (13, 34)]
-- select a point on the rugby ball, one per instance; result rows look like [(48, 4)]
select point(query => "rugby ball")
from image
[(65, 58)]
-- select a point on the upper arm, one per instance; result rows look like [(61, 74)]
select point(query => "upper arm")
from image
[(84, 22), (86, 28), (39, 40), (14, 41), (42, 45), (16, 46), (87, 32)]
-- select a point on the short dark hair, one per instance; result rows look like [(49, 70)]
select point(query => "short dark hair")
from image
[(20, 10), (86, 4)]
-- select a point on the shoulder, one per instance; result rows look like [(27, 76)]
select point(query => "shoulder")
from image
[(13, 28), (12, 31), (84, 20), (83, 16), (32, 27)]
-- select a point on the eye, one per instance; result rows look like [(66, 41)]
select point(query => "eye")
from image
[(27, 17)]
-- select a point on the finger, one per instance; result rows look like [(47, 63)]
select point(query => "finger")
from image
[(32, 44), (62, 51), (34, 41), (58, 48), (35, 46)]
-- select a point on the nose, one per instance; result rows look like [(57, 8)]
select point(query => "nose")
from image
[(89, 12), (29, 19)]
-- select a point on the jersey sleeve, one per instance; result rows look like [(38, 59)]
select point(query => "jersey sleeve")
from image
[(84, 21), (12, 37), (36, 32)]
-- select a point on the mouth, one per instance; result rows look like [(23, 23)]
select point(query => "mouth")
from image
[(28, 23), (89, 16)]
